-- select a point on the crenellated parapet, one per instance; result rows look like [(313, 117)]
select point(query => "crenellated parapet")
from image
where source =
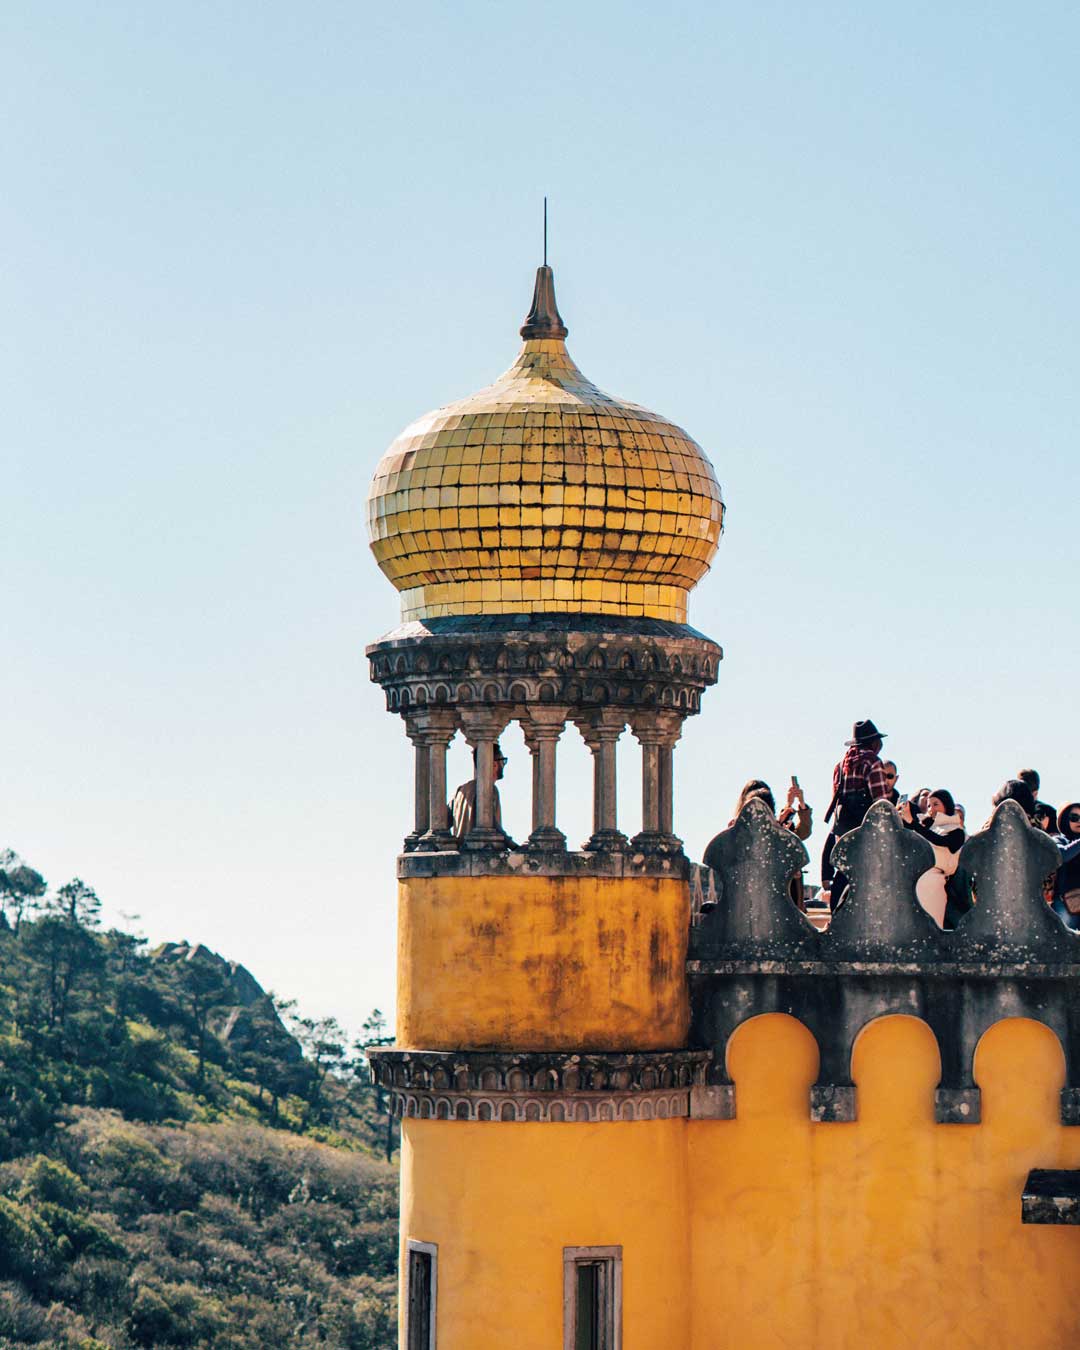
[(752, 952)]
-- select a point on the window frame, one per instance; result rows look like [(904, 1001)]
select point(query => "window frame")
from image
[(611, 1332), (428, 1249)]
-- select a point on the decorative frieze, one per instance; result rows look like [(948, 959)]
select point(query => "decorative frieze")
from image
[(519, 660), (542, 1087)]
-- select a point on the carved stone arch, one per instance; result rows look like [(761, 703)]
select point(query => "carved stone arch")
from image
[(401, 666), (462, 1111), (519, 693), (441, 694), (502, 659), (440, 1079), (626, 661), (547, 692), (443, 1109), (420, 695), (595, 660), (491, 693), (490, 1080), (445, 664), (532, 1110), (517, 1080), (508, 1111), (626, 1110), (465, 693), (558, 1111), (422, 663), (547, 1080)]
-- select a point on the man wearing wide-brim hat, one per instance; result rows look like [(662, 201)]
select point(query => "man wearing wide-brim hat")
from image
[(858, 781)]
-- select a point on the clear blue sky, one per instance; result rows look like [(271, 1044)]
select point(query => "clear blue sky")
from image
[(242, 245)]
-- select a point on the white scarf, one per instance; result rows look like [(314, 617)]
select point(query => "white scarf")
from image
[(943, 824)]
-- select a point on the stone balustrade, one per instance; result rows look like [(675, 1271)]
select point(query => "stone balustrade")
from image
[(604, 674)]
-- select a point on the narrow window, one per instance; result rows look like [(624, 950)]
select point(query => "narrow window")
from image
[(421, 1284), (592, 1298)]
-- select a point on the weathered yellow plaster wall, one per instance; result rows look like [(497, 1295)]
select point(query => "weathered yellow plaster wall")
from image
[(892, 1231), (542, 963), (502, 1200)]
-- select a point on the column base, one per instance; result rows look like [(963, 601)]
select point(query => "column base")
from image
[(486, 841), (546, 839), (436, 841), (655, 841), (606, 841), (411, 842)]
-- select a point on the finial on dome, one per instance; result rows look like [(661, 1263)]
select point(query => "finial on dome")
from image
[(544, 319)]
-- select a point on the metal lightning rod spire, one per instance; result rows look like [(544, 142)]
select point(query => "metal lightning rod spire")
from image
[(545, 231)]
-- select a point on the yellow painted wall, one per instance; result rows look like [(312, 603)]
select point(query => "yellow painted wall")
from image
[(892, 1231), (542, 963), (502, 1200)]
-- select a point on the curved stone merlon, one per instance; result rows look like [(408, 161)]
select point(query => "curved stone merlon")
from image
[(752, 952)]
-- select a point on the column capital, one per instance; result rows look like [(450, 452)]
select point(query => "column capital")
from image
[(657, 726), (543, 721), (482, 723), (431, 726), (602, 724)]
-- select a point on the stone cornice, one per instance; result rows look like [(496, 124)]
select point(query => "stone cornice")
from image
[(542, 1086), (580, 660)]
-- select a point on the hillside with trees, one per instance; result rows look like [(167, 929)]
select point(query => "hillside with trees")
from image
[(184, 1159)]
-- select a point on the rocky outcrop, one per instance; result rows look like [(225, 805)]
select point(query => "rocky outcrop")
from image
[(244, 1018)]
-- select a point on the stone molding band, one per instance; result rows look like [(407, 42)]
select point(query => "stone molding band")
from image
[(549, 863), (572, 1108), (542, 1087)]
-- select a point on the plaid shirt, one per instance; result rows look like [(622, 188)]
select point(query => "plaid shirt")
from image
[(860, 768)]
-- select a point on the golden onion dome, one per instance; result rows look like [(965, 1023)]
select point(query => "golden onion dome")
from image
[(541, 493)]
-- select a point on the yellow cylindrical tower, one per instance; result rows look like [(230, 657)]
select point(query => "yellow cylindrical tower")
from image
[(544, 537)]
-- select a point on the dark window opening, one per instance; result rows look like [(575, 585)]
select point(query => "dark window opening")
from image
[(587, 1313), (420, 1277), (592, 1298)]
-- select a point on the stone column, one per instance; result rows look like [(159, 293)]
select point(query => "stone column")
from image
[(601, 731), (543, 724), (657, 731), (421, 785), (434, 730), (481, 728)]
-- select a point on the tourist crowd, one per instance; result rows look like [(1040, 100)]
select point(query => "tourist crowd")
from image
[(862, 777)]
